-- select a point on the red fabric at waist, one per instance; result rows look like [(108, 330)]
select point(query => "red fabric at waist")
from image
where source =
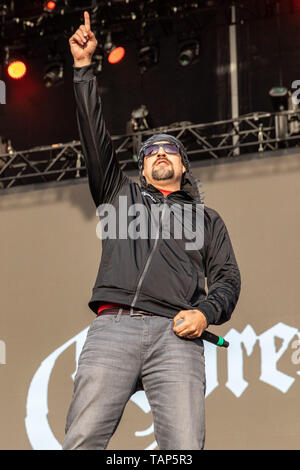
[(103, 306)]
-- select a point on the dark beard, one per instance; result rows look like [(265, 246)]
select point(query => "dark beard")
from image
[(159, 174)]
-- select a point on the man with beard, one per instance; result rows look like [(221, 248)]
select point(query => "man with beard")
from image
[(163, 168), (144, 286)]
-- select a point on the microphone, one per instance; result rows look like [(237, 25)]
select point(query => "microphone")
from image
[(210, 337), (217, 340)]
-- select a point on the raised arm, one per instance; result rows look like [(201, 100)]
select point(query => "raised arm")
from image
[(104, 174), (222, 272)]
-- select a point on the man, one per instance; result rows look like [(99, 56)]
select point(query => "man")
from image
[(146, 284)]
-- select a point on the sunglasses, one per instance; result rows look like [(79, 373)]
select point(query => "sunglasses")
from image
[(152, 150)]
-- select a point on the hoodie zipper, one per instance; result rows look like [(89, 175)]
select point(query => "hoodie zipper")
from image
[(146, 267)]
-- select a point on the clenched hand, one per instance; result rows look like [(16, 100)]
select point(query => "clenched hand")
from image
[(83, 43), (193, 325)]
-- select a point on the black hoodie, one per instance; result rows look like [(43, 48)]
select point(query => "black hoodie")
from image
[(157, 274)]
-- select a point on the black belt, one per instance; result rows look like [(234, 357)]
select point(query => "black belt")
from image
[(125, 311)]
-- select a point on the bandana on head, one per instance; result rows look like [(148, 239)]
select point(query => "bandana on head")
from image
[(161, 138)]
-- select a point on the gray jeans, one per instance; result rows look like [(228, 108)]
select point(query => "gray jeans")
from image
[(123, 351)]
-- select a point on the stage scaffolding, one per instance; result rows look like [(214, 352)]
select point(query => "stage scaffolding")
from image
[(253, 133)]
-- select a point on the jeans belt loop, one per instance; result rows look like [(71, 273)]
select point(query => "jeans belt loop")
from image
[(119, 314), (135, 314)]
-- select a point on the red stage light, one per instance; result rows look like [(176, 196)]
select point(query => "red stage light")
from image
[(50, 5), (16, 69), (116, 55)]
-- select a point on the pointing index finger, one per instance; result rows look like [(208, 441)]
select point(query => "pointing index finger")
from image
[(87, 22)]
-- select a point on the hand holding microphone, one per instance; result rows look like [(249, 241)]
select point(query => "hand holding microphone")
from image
[(208, 336)]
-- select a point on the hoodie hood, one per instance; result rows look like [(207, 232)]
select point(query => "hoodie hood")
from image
[(189, 184)]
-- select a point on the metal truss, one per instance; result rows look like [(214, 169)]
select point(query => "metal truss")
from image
[(257, 132)]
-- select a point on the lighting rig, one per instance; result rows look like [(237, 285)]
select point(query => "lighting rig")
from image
[(31, 25)]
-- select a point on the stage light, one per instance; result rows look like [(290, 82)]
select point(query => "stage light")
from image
[(50, 5), (97, 61), (147, 57), (53, 74), (188, 52), (139, 118), (16, 69), (114, 53), (279, 98)]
